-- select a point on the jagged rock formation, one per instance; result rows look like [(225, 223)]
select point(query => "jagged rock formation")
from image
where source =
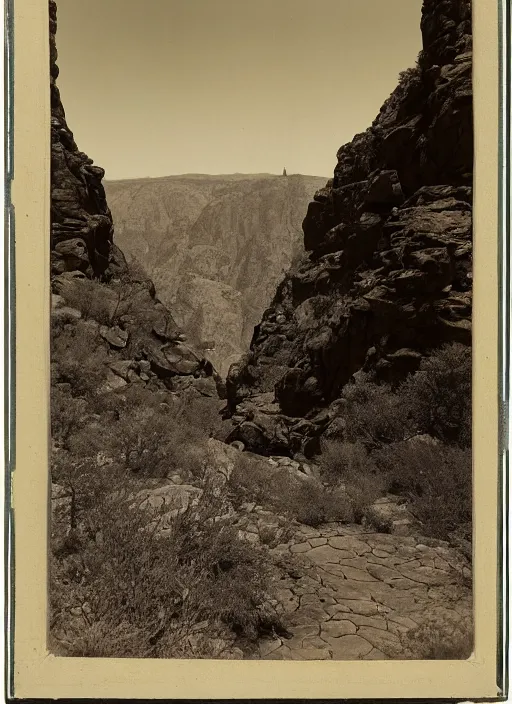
[(388, 273), (81, 223), (215, 246), (82, 248)]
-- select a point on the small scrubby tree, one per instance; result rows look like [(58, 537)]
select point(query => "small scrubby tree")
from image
[(438, 396)]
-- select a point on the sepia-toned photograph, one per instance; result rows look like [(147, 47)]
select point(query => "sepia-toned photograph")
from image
[(261, 330)]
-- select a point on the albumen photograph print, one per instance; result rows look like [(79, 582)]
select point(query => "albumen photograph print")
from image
[(261, 340)]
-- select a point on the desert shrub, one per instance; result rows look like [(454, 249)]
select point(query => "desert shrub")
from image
[(340, 460), (142, 441), (305, 500), (66, 414), (249, 482), (204, 413), (406, 77), (156, 442), (436, 478), (353, 469), (80, 477), (130, 398), (439, 639), (92, 299), (107, 303), (152, 434), (268, 536), (438, 396), (151, 590), (308, 504), (373, 414), (126, 295), (361, 492), (314, 504), (79, 357)]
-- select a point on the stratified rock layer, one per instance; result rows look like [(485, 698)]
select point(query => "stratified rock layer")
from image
[(388, 271)]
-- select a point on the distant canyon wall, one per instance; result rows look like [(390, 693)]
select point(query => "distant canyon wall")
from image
[(215, 247)]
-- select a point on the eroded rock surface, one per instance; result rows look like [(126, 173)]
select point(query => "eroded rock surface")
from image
[(83, 252), (216, 247), (387, 274), (81, 223), (356, 593)]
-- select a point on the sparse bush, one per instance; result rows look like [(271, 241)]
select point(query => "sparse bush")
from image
[(268, 536), (315, 504), (80, 357), (145, 592), (92, 299), (249, 482), (107, 303), (439, 639), (353, 469), (138, 274), (436, 478), (66, 414), (373, 414), (204, 414), (438, 396), (340, 460), (157, 442), (309, 504), (306, 501)]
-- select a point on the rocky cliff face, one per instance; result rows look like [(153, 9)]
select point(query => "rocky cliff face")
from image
[(81, 223), (386, 275), (90, 272), (215, 246)]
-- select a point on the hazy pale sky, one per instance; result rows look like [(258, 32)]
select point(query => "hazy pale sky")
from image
[(164, 87)]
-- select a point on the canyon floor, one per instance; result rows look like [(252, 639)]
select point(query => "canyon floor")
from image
[(346, 592), (362, 591), (139, 444)]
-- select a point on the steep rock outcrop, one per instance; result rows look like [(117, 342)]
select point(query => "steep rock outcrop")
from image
[(215, 246), (387, 273), (84, 256), (81, 223)]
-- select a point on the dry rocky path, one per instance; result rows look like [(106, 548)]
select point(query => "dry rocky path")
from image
[(341, 591), (345, 591), (357, 593)]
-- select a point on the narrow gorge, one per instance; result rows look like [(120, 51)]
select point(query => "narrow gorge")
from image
[(261, 393), (215, 246)]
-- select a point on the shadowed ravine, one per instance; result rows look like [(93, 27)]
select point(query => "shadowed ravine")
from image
[(314, 501), (215, 246)]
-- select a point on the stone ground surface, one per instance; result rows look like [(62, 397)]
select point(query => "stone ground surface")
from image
[(342, 592), (355, 593)]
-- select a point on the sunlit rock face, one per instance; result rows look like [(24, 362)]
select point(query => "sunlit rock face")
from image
[(386, 271)]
